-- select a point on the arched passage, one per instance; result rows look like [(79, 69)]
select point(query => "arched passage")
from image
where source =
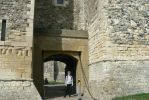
[(71, 59), (71, 62), (67, 46), (71, 65)]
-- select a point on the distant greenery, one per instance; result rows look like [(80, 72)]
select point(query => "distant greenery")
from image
[(53, 83), (143, 96)]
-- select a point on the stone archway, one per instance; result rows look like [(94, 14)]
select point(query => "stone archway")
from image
[(71, 65), (70, 61), (66, 47)]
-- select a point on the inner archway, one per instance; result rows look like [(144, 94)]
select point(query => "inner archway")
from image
[(58, 88)]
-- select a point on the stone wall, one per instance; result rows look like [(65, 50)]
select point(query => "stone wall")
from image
[(16, 51), (54, 70), (118, 28), (18, 90), (128, 22), (111, 79), (15, 64), (19, 17), (128, 30), (79, 15), (51, 16), (118, 47), (49, 70), (97, 23)]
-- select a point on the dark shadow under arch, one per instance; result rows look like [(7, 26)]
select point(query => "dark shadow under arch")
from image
[(61, 57)]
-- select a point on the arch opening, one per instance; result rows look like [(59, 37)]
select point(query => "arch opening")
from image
[(69, 64)]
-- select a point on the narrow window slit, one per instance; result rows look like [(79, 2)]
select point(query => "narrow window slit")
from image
[(60, 1), (3, 30)]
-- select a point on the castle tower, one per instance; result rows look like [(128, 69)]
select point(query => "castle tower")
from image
[(16, 24), (118, 47)]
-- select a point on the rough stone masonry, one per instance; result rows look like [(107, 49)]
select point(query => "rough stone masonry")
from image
[(16, 51), (118, 47), (118, 44)]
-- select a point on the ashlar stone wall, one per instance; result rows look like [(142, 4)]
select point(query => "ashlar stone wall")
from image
[(18, 90)]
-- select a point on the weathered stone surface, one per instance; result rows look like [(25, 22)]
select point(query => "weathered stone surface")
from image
[(14, 64), (118, 78), (18, 90), (15, 12), (16, 51), (118, 41), (54, 71), (50, 16), (132, 15)]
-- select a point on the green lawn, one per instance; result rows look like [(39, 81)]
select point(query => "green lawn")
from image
[(54, 83), (143, 96)]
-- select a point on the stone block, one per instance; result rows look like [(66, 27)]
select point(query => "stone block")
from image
[(18, 90), (21, 44)]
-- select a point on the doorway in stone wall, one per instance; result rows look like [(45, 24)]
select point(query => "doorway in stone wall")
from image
[(54, 75), (55, 70)]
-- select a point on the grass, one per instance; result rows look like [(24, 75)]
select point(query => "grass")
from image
[(143, 96), (54, 83)]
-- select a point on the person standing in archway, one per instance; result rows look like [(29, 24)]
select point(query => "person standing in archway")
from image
[(68, 84)]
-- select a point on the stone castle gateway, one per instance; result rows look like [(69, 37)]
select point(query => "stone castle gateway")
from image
[(104, 41)]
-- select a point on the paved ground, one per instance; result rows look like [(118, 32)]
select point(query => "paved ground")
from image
[(56, 92), (62, 98), (68, 98)]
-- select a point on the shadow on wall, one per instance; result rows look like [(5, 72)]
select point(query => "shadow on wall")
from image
[(51, 16)]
